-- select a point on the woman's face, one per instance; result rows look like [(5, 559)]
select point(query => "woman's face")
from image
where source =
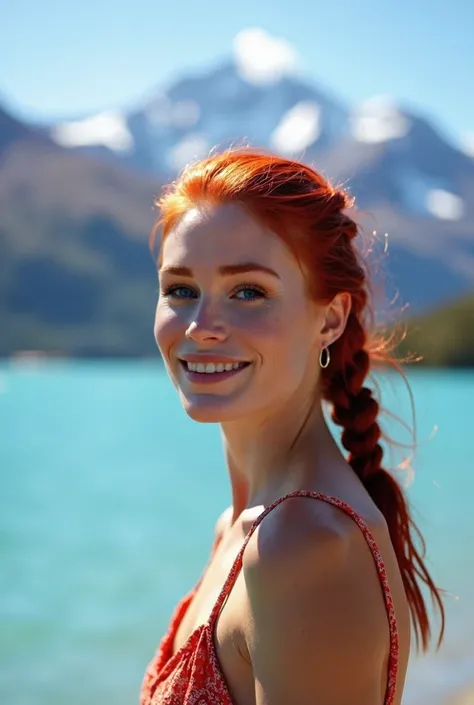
[(237, 332)]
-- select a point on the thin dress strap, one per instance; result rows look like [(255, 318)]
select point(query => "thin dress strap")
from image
[(389, 604)]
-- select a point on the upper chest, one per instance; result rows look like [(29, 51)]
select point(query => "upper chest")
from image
[(230, 628), (207, 594)]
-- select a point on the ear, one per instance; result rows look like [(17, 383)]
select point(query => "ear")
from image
[(335, 318)]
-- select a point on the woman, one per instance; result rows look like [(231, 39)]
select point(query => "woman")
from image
[(262, 316)]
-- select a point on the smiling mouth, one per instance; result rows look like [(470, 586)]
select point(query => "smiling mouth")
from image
[(213, 367), (211, 371)]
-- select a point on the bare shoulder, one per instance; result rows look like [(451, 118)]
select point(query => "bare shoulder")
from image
[(319, 623), (222, 523), (301, 528)]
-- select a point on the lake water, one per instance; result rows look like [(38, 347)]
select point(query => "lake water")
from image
[(109, 495)]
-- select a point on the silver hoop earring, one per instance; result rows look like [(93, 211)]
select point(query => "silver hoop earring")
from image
[(324, 357)]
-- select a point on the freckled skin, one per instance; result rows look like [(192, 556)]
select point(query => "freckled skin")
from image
[(278, 332)]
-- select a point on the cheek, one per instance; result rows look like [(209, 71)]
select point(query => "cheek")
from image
[(286, 339), (281, 326), (265, 323), (166, 328)]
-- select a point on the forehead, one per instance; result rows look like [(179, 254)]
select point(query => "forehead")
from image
[(227, 232)]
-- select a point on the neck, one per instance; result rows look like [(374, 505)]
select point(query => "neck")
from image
[(290, 450)]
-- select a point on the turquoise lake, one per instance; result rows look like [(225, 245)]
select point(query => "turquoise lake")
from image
[(109, 496)]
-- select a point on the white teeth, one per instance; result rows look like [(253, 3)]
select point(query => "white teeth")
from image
[(211, 367)]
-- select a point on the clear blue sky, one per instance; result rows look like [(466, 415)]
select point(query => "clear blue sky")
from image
[(65, 58)]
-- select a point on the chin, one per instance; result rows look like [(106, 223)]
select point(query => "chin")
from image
[(210, 409)]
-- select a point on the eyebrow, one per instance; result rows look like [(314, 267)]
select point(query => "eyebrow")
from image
[(224, 270)]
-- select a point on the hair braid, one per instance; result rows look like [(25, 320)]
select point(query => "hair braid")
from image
[(356, 411), (354, 407)]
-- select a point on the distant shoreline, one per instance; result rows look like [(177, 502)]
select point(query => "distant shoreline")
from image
[(440, 339)]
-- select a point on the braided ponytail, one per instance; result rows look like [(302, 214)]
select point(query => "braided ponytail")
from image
[(310, 216), (356, 411)]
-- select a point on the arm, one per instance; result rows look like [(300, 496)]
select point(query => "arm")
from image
[(319, 633)]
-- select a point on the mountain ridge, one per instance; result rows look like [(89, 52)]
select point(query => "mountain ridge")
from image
[(75, 220)]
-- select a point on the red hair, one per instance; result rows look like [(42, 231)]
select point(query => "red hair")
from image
[(300, 206)]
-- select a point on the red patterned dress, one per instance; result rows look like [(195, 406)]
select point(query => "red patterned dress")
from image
[(192, 676)]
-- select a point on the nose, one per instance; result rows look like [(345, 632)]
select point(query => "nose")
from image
[(207, 325)]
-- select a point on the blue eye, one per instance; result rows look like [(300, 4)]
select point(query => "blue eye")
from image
[(249, 293), (180, 292)]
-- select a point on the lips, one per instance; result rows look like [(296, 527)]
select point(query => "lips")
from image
[(209, 371)]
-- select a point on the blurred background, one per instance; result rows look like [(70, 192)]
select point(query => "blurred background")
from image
[(109, 494)]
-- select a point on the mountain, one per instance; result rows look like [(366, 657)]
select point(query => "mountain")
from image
[(76, 276), (417, 186), (76, 199), (198, 113), (420, 190), (443, 338), (13, 131), (386, 152)]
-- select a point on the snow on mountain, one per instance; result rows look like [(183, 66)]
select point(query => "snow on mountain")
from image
[(108, 129), (261, 97), (298, 129), (224, 107), (393, 156), (445, 205), (407, 177), (429, 197), (379, 120), (258, 97), (394, 161)]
